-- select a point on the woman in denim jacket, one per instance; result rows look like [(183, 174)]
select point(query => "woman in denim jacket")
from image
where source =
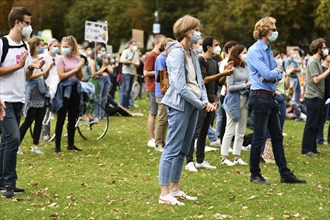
[(184, 98), (235, 105)]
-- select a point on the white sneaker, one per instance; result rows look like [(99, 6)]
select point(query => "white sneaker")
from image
[(169, 199), (240, 162), (227, 162), (159, 148), (216, 143), (247, 148), (191, 167), (137, 114), (151, 143), (36, 150), (45, 138), (19, 151), (303, 116), (181, 195), (205, 165), (230, 150), (284, 134)]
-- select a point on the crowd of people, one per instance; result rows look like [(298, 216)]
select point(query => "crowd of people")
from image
[(190, 86)]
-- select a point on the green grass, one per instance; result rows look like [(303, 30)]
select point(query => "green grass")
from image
[(116, 178)]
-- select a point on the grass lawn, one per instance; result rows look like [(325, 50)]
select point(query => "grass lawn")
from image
[(116, 178)]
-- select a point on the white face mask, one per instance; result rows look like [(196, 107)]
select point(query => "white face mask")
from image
[(26, 31), (325, 52), (243, 57), (217, 50), (279, 62), (200, 49), (134, 48)]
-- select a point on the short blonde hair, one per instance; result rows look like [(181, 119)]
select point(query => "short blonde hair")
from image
[(263, 26), (73, 43), (183, 25)]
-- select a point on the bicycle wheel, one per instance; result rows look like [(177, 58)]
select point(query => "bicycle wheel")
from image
[(135, 90), (92, 128)]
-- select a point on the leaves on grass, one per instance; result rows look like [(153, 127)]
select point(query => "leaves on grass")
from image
[(221, 216)]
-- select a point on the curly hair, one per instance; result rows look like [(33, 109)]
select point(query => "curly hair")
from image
[(263, 26), (183, 25)]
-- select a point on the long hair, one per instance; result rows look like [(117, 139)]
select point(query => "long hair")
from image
[(33, 43), (234, 55)]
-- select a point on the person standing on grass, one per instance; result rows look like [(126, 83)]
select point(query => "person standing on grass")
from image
[(37, 98), (68, 97), (261, 63), (314, 96), (15, 66), (184, 98)]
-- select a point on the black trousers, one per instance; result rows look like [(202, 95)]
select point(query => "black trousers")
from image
[(36, 115), (70, 106)]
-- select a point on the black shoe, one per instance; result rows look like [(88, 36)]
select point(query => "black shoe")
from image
[(291, 178), (258, 179), (262, 160), (57, 150), (74, 148), (317, 152), (310, 154), (8, 193), (16, 190)]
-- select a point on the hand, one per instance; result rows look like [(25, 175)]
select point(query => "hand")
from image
[(282, 68), (2, 110), (23, 57), (49, 67), (248, 84), (262, 79), (37, 63), (229, 68), (290, 69), (209, 107)]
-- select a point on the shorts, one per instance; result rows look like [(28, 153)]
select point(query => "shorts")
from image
[(153, 106)]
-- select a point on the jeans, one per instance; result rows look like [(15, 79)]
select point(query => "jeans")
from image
[(103, 90), (219, 118), (280, 99), (204, 120), (211, 134), (314, 111), (223, 120), (9, 144), (126, 89), (294, 82), (161, 123), (324, 115), (181, 128), (265, 113)]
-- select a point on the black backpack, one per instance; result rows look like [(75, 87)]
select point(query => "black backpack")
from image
[(6, 47)]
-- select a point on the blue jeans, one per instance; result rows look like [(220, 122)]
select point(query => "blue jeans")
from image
[(219, 118), (280, 99), (211, 134), (265, 113), (181, 128), (125, 89), (294, 82), (324, 115), (9, 144), (314, 111), (103, 90)]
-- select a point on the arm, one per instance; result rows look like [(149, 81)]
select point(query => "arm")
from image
[(322, 76), (232, 87), (4, 71), (123, 58), (45, 73), (228, 70), (63, 75), (258, 62), (288, 72)]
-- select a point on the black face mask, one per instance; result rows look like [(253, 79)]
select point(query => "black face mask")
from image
[(161, 49)]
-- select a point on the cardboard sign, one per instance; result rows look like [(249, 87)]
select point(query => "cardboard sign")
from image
[(96, 31), (138, 36)]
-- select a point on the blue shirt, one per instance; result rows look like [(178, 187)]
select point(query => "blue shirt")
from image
[(261, 63), (287, 63), (160, 64)]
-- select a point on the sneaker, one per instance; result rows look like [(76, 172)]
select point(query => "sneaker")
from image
[(311, 154), (169, 199), (227, 162), (303, 116), (284, 134), (258, 179), (36, 150), (159, 148), (191, 167), (8, 193), (19, 151), (240, 162), (181, 195), (57, 150), (292, 179), (151, 143), (246, 148), (205, 165), (230, 150), (73, 148), (45, 138), (16, 190), (215, 143)]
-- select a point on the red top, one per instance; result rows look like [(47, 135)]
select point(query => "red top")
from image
[(149, 65)]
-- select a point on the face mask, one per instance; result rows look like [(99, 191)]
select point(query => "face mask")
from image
[(273, 37), (196, 36), (134, 48), (217, 50), (325, 52), (279, 62), (66, 51), (294, 56), (200, 49), (103, 54), (243, 57), (26, 31), (55, 50), (41, 50)]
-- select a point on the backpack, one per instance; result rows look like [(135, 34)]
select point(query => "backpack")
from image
[(6, 47)]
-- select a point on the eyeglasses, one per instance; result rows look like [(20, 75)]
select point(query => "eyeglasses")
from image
[(27, 22)]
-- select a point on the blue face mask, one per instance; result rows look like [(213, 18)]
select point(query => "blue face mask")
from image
[(273, 37), (41, 50), (55, 50), (66, 51), (196, 36), (103, 54)]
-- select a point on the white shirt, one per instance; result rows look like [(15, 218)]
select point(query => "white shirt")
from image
[(191, 79), (129, 55), (222, 65), (12, 86), (53, 78)]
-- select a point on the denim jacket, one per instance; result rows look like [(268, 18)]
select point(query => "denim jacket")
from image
[(231, 105), (64, 89), (178, 91), (31, 84)]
